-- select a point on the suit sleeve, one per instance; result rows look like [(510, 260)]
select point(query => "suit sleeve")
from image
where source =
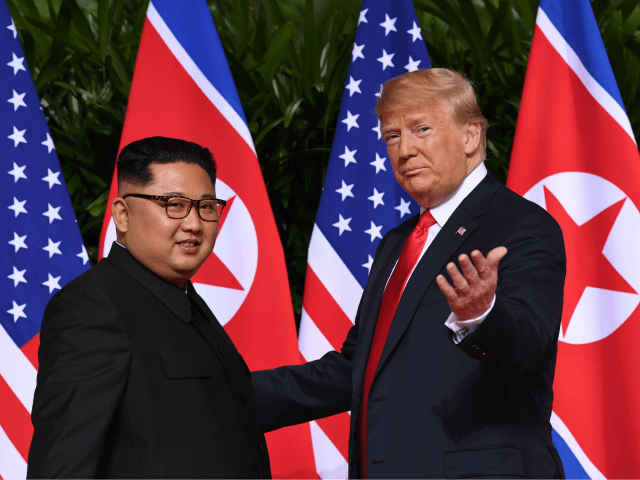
[(300, 393), (524, 323), (84, 358)]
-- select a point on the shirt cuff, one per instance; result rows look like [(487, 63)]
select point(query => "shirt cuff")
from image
[(462, 328)]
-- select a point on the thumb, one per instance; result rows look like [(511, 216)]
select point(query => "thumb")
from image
[(494, 257)]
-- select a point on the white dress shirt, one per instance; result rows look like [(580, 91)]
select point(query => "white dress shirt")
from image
[(441, 213)]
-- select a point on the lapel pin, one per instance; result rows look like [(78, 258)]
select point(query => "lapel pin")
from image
[(461, 231)]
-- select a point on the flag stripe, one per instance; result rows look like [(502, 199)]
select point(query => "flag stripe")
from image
[(330, 463), (559, 426), (30, 350), (603, 97), (311, 341), (334, 274), (12, 465), (325, 312), (576, 23), (17, 370), (196, 33), (15, 420), (336, 428), (198, 77)]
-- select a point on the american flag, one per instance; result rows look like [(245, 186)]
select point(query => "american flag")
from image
[(41, 244), (361, 201)]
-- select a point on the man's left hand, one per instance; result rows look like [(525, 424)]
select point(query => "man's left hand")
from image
[(474, 291)]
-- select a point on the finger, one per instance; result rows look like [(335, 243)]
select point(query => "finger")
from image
[(458, 279), (448, 291), (482, 267), (469, 271), (494, 257)]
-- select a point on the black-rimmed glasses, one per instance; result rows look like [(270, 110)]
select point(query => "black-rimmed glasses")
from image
[(209, 209)]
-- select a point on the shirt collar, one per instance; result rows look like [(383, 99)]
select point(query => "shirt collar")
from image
[(185, 285), (442, 212)]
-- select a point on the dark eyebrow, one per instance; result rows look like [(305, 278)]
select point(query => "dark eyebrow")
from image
[(181, 194)]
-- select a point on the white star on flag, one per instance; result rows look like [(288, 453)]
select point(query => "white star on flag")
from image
[(376, 198), (345, 190), (348, 156), (52, 178), (12, 27), (354, 86), (52, 282), (413, 65), (17, 172), (17, 100), (389, 24), (374, 231), (403, 208), (48, 143), (351, 120), (18, 206), (362, 16), (52, 248), (18, 241), (357, 52), (16, 64), (379, 163), (17, 136), (17, 311), (415, 32), (369, 263), (342, 224), (17, 276), (385, 59), (52, 213), (377, 129), (83, 255)]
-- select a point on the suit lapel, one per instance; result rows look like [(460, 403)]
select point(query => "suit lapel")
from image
[(171, 295), (380, 273), (439, 253), (212, 329)]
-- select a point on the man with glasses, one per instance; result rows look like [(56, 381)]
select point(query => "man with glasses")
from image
[(137, 378)]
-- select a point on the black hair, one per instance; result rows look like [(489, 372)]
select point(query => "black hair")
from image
[(136, 158)]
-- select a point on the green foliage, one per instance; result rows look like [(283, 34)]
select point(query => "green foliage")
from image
[(82, 59), (290, 65), (289, 59)]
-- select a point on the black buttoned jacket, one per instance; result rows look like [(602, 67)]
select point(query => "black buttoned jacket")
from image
[(437, 409), (138, 380)]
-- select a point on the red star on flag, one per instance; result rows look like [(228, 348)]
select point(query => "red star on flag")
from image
[(586, 264)]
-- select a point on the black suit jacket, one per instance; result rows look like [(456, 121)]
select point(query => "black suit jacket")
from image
[(437, 409), (138, 379)]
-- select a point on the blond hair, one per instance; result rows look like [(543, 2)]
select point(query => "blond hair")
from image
[(426, 85)]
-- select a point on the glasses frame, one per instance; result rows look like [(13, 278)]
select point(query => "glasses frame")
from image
[(166, 198)]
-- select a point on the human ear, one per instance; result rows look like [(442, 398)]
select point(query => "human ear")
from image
[(120, 214), (471, 137)]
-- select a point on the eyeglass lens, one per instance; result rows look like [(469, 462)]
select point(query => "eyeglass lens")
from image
[(180, 208)]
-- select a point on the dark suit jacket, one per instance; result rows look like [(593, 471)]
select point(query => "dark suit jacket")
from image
[(133, 383), (437, 409)]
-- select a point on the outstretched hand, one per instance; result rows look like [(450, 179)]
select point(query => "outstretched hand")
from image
[(474, 291)]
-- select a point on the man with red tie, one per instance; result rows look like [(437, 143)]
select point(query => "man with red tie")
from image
[(442, 380)]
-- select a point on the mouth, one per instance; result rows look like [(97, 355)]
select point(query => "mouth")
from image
[(412, 171), (189, 246)]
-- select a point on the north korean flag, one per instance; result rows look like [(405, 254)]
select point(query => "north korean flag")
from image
[(182, 88), (575, 155)]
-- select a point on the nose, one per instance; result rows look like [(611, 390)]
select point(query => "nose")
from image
[(406, 147), (192, 222)]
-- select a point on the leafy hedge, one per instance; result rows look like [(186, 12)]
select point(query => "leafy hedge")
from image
[(289, 59)]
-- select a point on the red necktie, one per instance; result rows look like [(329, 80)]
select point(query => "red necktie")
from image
[(408, 258)]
